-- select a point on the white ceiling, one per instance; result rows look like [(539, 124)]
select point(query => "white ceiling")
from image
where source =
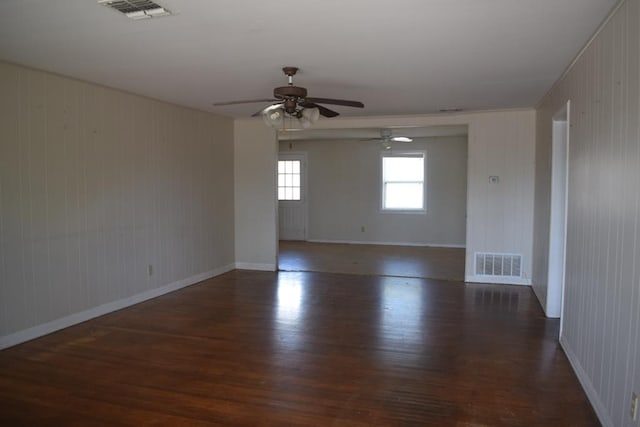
[(398, 57)]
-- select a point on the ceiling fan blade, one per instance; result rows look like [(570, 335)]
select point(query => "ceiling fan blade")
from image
[(331, 101), (220, 104), (324, 111)]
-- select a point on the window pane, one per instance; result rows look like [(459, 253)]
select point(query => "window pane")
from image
[(403, 168), (403, 181), (403, 196), (289, 179)]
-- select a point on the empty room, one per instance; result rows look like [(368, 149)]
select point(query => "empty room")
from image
[(319, 213), (373, 201)]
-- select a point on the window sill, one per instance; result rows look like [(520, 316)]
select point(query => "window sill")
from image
[(404, 211)]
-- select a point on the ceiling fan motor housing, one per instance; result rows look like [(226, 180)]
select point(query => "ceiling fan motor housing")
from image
[(291, 96), (284, 92)]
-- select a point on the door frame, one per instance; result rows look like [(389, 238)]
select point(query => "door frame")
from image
[(558, 212), (304, 196)]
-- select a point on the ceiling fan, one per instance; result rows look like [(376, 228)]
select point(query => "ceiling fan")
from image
[(292, 101), (386, 137)]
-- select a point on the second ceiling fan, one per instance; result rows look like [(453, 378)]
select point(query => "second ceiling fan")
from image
[(293, 101), (386, 138)]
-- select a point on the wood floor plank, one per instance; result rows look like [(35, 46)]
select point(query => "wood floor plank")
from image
[(382, 260), (308, 349)]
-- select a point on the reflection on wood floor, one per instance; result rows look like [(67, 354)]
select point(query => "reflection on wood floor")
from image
[(381, 260), (306, 349)]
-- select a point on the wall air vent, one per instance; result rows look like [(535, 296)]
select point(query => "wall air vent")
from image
[(137, 9), (503, 265)]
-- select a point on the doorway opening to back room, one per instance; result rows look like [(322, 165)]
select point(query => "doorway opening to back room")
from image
[(374, 201)]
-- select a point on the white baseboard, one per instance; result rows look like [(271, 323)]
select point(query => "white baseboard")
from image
[(75, 318), (498, 280), (587, 385), (255, 266), (360, 242)]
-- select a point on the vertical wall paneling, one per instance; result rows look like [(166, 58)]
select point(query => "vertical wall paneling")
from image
[(95, 186), (601, 322), (500, 218), (255, 157)]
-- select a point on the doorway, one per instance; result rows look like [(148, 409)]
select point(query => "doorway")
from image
[(292, 196), (558, 213)]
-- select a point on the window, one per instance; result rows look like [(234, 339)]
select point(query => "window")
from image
[(289, 180), (403, 182)]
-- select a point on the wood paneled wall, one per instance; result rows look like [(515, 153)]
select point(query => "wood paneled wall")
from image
[(256, 220), (95, 186), (601, 323), (500, 216)]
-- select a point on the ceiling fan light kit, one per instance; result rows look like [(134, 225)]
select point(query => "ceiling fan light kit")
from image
[(273, 116), (292, 108)]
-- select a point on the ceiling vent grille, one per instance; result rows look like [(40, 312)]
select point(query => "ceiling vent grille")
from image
[(503, 265), (137, 9)]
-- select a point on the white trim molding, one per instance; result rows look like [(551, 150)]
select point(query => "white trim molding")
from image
[(255, 266), (498, 280), (75, 318), (589, 389)]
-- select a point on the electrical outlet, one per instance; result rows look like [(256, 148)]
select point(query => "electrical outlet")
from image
[(362, 228), (150, 269), (634, 406)]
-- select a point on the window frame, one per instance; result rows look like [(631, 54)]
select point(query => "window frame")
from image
[(404, 153), (302, 158)]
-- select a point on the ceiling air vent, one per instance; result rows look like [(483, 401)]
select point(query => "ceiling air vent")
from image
[(137, 9)]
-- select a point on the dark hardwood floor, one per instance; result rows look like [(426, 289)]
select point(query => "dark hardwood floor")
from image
[(309, 349), (380, 260)]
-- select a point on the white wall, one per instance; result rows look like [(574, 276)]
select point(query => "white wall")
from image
[(601, 324), (344, 192), (95, 185), (255, 159), (499, 216)]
